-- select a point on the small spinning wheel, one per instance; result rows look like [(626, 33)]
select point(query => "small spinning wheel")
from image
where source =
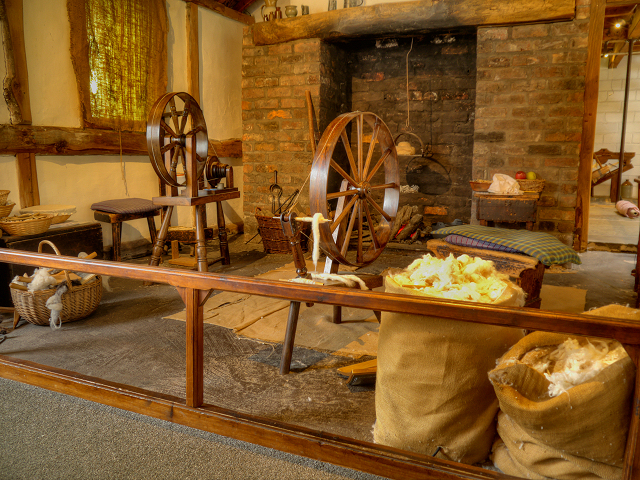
[(173, 118), (368, 193)]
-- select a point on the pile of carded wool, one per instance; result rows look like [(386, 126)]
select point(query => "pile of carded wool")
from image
[(462, 278)]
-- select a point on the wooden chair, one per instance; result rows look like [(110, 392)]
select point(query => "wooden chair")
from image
[(122, 210), (605, 171)]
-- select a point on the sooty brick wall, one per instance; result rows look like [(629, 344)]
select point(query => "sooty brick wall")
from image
[(441, 103)]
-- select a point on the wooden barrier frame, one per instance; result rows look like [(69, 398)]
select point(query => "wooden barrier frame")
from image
[(194, 287)]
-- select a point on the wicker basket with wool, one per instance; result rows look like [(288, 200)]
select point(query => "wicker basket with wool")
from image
[(78, 302)]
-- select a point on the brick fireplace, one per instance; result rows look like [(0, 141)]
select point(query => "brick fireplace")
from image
[(488, 100)]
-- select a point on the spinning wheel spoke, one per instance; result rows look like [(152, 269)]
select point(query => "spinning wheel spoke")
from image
[(379, 209), (168, 146), (380, 162), (174, 113), (359, 256), (386, 185), (174, 162), (344, 174), (167, 128), (347, 237), (331, 196), (197, 130), (347, 147), (372, 145), (185, 117), (359, 123), (336, 223), (372, 227)]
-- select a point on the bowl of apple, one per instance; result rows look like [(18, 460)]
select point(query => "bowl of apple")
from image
[(529, 182)]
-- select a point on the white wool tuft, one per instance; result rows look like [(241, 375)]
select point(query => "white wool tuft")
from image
[(42, 280), (348, 280), (572, 364), (315, 227), (54, 303)]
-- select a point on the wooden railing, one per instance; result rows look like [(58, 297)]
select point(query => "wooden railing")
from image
[(195, 287)]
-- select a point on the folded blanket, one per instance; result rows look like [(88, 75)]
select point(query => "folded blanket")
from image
[(543, 246)]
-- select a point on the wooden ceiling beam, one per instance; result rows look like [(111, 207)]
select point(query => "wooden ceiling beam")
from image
[(224, 11), (410, 18), (634, 26)]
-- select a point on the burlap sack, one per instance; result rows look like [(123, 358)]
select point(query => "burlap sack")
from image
[(431, 386), (580, 434)]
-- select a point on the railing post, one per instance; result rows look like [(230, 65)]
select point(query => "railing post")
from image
[(195, 344)]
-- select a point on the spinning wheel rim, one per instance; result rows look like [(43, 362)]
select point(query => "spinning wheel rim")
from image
[(360, 197), (158, 130)]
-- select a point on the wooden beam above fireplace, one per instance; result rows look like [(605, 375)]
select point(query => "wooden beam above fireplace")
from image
[(410, 18)]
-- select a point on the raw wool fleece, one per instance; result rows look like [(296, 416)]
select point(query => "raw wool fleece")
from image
[(432, 388), (580, 434)]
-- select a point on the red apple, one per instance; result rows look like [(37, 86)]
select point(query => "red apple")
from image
[(521, 175)]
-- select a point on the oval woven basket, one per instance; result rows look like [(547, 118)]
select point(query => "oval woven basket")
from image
[(77, 303), (29, 226), (531, 185)]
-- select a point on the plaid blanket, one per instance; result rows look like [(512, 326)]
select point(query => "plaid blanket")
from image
[(543, 246)]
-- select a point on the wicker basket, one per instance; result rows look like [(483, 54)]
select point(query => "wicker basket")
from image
[(5, 210), (77, 303), (39, 223), (531, 185), (273, 238), (3, 196)]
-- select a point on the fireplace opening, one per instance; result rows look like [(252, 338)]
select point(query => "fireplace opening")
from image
[(423, 88)]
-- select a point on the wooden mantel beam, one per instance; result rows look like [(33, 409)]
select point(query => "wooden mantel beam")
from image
[(77, 141), (411, 18)]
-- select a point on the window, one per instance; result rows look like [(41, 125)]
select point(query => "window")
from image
[(119, 54)]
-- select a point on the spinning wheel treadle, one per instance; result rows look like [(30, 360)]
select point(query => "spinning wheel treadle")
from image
[(367, 192)]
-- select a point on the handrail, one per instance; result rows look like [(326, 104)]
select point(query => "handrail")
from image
[(625, 331)]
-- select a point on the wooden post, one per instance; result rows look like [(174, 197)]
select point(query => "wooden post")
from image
[(193, 65), (27, 180), (192, 299), (592, 79), (632, 453)]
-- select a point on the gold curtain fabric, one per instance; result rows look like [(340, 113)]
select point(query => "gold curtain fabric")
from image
[(119, 54)]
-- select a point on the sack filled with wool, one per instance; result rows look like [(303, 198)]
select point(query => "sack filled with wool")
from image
[(564, 406), (432, 390)]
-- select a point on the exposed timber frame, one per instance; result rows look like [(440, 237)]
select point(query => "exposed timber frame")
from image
[(223, 10), (410, 18), (363, 456)]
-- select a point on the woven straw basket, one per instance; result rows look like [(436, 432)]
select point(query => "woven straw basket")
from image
[(34, 226), (77, 303), (531, 185), (5, 210), (3, 196), (273, 238)]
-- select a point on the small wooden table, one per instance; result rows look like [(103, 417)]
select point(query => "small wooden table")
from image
[(493, 208)]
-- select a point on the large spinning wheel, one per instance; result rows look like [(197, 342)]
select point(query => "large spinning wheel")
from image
[(360, 188), (175, 117)]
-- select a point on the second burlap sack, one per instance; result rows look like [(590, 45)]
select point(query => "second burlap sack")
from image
[(432, 388), (580, 434)]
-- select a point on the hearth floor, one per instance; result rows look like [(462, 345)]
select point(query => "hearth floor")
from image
[(128, 340)]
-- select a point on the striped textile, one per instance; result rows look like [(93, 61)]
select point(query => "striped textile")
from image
[(475, 243), (543, 246)]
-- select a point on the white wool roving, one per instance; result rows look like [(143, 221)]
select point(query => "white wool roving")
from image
[(42, 280), (315, 228), (572, 364), (54, 303), (348, 280)]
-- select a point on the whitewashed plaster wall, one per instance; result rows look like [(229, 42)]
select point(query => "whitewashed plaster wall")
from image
[(609, 118), (83, 180)]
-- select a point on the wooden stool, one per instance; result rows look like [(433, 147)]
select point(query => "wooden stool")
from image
[(117, 211)]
